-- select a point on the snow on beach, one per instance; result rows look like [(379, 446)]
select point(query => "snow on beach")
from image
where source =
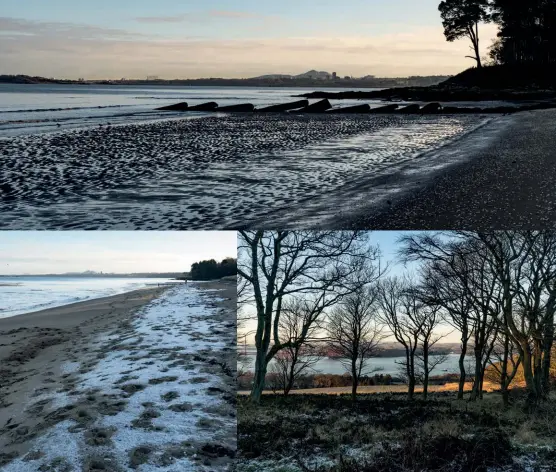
[(159, 396)]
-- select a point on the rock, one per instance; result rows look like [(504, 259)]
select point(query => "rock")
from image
[(410, 109), (355, 109), (210, 106), (385, 109), (244, 107), (318, 107), (431, 108), (285, 106), (183, 106)]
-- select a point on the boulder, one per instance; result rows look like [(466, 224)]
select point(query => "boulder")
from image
[(243, 107), (385, 109), (318, 107), (285, 106), (414, 108), (210, 106), (183, 106), (431, 108), (354, 109)]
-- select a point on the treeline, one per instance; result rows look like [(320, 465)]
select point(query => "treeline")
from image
[(212, 270), (309, 289), (527, 29)]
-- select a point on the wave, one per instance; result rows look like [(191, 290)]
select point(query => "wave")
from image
[(40, 110)]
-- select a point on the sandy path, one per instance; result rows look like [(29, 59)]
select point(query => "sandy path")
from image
[(131, 382)]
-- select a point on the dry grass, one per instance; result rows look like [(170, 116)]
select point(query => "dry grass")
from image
[(386, 432)]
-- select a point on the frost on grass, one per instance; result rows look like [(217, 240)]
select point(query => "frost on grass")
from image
[(156, 399)]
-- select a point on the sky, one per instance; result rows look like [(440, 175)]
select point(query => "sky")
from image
[(225, 38), (387, 241), (119, 252)]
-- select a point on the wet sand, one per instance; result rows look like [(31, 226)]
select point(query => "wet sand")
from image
[(217, 172), (504, 180), (63, 375)]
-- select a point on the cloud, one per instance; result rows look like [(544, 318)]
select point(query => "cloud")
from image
[(16, 27), (203, 17)]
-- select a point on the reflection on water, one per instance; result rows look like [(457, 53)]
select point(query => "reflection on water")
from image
[(387, 365)]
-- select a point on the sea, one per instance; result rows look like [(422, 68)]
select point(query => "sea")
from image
[(19, 295), (378, 365), (31, 109)]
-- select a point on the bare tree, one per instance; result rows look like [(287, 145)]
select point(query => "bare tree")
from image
[(462, 262), (444, 289), (354, 333), (525, 264), (323, 266), (400, 311), (296, 359), (428, 318)]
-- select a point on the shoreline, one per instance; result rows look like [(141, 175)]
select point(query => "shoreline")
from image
[(499, 179), (56, 310)]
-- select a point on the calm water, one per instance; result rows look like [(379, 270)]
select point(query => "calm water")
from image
[(388, 365), (30, 109), (20, 295)]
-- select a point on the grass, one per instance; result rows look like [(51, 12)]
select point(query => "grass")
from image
[(386, 432)]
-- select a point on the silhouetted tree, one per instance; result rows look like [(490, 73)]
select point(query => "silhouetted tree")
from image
[(461, 19), (354, 332)]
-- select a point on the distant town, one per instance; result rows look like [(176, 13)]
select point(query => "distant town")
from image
[(92, 273), (312, 78)]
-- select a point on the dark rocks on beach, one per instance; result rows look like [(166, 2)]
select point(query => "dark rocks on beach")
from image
[(318, 107), (183, 106), (285, 106), (354, 109), (410, 109), (431, 108), (244, 107), (385, 109), (210, 106)]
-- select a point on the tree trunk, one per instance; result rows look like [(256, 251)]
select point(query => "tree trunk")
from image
[(532, 395), (411, 388), (548, 336), (259, 378), (504, 372), (475, 392), (462, 373), (354, 380), (426, 377)]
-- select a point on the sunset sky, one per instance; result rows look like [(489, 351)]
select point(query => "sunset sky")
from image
[(224, 38)]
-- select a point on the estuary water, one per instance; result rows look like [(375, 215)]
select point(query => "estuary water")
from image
[(20, 295), (30, 109)]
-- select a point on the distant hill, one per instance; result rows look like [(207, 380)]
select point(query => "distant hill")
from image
[(311, 79)]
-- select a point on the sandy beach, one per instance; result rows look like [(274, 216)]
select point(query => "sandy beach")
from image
[(139, 381)]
